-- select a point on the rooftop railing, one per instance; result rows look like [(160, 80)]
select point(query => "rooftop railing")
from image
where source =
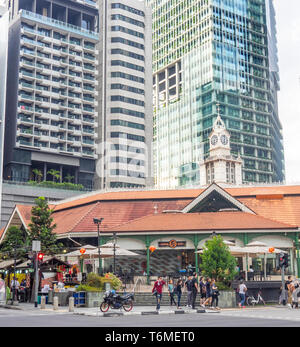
[(58, 24)]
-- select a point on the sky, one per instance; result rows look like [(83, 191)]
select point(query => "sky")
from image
[(288, 36)]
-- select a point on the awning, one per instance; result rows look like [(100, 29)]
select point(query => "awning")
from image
[(7, 263)]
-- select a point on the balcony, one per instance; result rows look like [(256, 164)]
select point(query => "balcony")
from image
[(58, 24), (26, 86), (25, 143)]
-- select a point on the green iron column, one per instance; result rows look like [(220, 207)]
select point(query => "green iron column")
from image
[(297, 253), (147, 242), (196, 241)]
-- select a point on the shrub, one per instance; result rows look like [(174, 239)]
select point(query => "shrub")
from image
[(86, 288), (115, 282), (96, 283), (94, 280)]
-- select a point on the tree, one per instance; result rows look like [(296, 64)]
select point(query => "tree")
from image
[(14, 238), (69, 178), (38, 175), (41, 227), (55, 174), (217, 261)]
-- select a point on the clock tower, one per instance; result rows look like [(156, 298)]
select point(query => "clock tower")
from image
[(220, 166)]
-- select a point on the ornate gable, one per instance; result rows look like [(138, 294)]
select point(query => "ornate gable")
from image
[(215, 199)]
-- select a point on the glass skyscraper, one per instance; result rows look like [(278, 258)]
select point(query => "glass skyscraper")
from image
[(210, 57)]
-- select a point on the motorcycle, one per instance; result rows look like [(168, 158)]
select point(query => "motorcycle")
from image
[(115, 302)]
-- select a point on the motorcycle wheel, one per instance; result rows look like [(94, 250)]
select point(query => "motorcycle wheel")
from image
[(128, 306), (104, 307)]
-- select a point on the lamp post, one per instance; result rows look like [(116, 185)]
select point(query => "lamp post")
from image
[(98, 221)]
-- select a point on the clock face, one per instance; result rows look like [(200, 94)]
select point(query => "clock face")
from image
[(224, 139), (214, 140)]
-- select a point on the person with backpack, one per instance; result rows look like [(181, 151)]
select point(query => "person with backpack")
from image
[(171, 293), (194, 289), (189, 287), (157, 291), (215, 294), (295, 292), (202, 290), (208, 293), (242, 289), (178, 292)]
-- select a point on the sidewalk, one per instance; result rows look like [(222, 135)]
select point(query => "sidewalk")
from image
[(95, 311)]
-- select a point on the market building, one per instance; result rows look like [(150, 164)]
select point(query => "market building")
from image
[(178, 223)]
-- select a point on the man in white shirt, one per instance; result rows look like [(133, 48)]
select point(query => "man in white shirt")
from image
[(242, 293), (15, 286)]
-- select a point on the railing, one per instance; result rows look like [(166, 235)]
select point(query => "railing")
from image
[(59, 24)]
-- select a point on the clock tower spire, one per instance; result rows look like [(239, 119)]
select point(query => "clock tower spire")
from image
[(220, 166)]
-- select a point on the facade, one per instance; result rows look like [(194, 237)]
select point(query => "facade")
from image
[(125, 90), (51, 104), (178, 223), (210, 52)]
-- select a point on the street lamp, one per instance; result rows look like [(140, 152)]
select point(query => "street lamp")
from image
[(98, 221)]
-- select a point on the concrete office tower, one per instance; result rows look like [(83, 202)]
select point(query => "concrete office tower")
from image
[(51, 104), (209, 52), (125, 90)]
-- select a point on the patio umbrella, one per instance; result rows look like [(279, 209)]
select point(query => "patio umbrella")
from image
[(109, 252), (256, 243), (228, 243), (109, 245)]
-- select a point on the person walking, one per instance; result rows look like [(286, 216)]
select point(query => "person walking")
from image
[(178, 291), (171, 293), (242, 293), (208, 292), (157, 291), (202, 290), (189, 287), (194, 289), (296, 291), (214, 294), (289, 287)]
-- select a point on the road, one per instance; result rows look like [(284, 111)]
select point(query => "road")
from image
[(266, 317)]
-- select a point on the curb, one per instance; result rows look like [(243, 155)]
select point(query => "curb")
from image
[(11, 307), (145, 313)]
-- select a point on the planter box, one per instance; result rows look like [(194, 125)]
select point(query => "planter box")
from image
[(227, 299), (93, 299)]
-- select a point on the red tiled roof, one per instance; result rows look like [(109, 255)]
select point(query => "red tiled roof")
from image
[(80, 219), (25, 212), (286, 210), (277, 203), (181, 194), (206, 221)]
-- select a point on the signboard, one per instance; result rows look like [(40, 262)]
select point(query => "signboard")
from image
[(36, 246), (172, 244)]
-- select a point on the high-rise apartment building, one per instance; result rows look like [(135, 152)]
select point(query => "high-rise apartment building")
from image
[(125, 91), (52, 77), (211, 55)]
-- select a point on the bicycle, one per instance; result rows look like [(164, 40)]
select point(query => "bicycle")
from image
[(252, 301)]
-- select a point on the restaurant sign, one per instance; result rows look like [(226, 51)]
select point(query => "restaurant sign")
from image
[(172, 244)]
